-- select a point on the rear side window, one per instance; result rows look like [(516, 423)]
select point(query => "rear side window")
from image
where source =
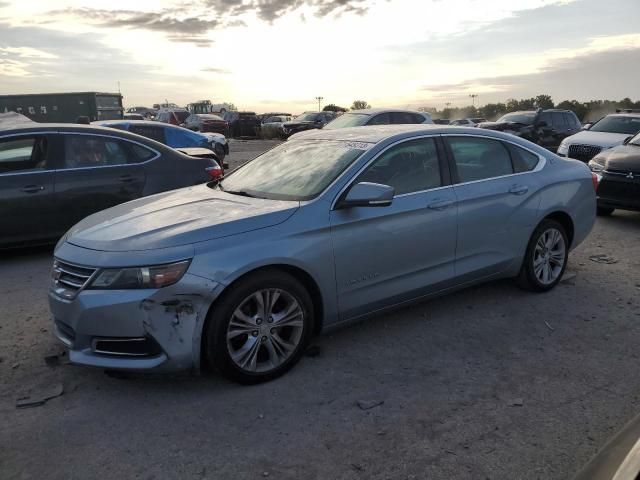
[(152, 132), (403, 118), (141, 154), (523, 160), (480, 158), (82, 151), (22, 154)]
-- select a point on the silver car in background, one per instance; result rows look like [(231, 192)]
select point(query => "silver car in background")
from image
[(312, 234)]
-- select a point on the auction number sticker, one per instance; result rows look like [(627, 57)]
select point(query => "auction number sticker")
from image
[(358, 145)]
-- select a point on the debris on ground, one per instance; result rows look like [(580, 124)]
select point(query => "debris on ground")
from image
[(603, 258), (14, 366), (357, 467), (569, 277), (55, 359), (369, 404), (549, 326), (517, 402), (40, 398)]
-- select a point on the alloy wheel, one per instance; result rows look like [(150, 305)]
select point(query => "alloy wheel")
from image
[(549, 256), (265, 330)]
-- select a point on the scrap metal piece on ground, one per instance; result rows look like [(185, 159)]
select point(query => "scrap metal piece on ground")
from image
[(369, 404), (42, 398), (603, 258)]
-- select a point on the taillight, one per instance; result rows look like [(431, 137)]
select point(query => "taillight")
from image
[(595, 178), (215, 172)]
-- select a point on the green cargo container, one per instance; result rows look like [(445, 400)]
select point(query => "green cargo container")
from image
[(64, 107)]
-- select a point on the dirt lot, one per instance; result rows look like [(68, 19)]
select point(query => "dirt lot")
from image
[(489, 383)]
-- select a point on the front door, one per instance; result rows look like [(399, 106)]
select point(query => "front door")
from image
[(387, 255), (97, 172), (26, 190)]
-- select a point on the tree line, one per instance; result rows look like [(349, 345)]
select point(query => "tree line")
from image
[(585, 111)]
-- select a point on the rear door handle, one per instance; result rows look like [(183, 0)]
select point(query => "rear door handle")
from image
[(440, 204), (32, 189), (519, 189), (126, 178)]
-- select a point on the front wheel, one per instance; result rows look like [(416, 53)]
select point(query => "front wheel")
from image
[(546, 257), (260, 328)]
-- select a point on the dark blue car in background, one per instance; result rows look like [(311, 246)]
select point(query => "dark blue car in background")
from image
[(172, 135)]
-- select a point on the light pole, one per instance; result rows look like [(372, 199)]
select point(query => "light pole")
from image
[(473, 99), (319, 99)]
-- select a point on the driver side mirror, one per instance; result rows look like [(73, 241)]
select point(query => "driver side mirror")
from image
[(366, 194)]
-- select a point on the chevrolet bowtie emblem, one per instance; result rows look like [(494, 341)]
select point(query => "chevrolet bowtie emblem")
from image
[(630, 175)]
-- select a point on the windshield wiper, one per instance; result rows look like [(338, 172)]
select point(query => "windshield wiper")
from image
[(242, 193)]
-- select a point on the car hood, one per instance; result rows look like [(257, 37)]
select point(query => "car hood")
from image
[(623, 158), (598, 139), (175, 218)]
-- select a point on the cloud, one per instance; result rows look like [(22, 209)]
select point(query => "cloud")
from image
[(270, 10), (177, 28), (218, 71)]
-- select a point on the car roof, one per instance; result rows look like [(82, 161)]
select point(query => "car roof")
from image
[(378, 133), (372, 111), (631, 115)]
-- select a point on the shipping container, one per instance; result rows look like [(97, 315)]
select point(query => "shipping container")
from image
[(64, 107)]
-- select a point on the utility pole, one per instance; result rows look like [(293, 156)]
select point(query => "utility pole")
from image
[(446, 104), (319, 99), (473, 98)]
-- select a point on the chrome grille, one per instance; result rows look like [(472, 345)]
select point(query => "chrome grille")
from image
[(583, 152), (68, 279)]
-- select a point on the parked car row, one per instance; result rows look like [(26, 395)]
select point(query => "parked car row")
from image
[(54, 175)]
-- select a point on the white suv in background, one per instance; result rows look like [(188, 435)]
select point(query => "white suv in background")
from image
[(608, 132)]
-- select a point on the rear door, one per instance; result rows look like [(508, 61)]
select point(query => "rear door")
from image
[(27, 200), (97, 172), (495, 186)]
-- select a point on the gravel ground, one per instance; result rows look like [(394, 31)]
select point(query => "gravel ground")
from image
[(487, 383)]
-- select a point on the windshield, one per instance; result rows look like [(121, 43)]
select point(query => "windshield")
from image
[(348, 120), (524, 118), (617, 124), (306, 117), (296, 170)]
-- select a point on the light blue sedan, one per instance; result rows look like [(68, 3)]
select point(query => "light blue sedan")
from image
[(315, 233)]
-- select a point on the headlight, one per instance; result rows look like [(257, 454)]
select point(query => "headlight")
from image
[(156, 276), (563, 147), (597, 164)]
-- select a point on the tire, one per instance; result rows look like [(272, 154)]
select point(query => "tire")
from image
[(604, 211), (546, 257), (252, 349), (219, 151)]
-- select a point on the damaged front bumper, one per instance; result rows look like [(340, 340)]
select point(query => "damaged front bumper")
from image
[(157, 330)]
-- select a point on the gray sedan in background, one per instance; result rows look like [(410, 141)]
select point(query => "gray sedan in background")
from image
[(312, 234)]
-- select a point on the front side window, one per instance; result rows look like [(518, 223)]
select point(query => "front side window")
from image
[(523, 118), (409, 167), (380, 119), (480, 158), (558, 121), (83, 151), (22, 154), (295, 170), (403, 118)]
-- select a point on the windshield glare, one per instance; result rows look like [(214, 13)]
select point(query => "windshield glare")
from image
[(306, 117), (524, 118), (348, 120), (295, 170), (617, 124)]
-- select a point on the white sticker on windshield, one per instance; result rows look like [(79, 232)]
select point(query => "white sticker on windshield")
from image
[(358, 145)]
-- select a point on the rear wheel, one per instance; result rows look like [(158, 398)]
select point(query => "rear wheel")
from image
[(546, 257), (260, 328), (604, 211)]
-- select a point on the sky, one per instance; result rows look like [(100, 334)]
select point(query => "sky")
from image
[(278, 55)]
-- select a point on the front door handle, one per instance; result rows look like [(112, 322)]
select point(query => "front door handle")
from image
[(32, 189), (519, 189), (440, 204), (126, 178)]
